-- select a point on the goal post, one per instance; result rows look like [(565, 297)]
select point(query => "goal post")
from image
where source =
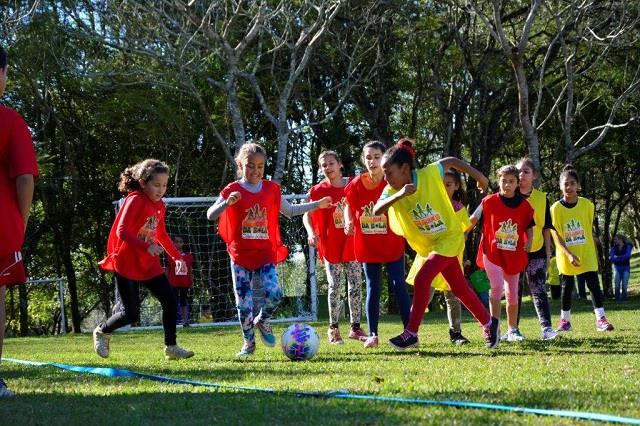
[(211, 298)]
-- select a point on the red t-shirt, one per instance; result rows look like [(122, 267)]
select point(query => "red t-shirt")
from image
[(251, 227), (373, 240), (328, 224), (504, 234), (17, 157), (184, 281), (138, 224)]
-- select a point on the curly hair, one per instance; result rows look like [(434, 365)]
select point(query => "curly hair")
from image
[(144, 170)]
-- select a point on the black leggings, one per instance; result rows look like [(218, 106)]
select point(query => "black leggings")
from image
[(128, 290), (593, 283)]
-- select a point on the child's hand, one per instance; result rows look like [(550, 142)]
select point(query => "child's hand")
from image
[(313, 240), (233, 198), (324, 202), (154, 250), (483, 185), (527, 246), (575, 260), (349, 227), (408, 189)]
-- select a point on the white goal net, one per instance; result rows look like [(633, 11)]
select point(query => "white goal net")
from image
[(211, 299)]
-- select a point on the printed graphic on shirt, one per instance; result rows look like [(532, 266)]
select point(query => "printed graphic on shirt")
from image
[(428, 220), (149, 231), (507, 236), (574, 234), (370, 223), (254, 225), (338, 213)]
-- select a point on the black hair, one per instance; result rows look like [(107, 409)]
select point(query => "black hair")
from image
[(3, 57), (402, 153), (569, 171), (459, 194)]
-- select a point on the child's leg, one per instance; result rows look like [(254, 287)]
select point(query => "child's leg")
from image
[(244, 299), (566, 283), (399, 285), (454, 311), (537, 277), (617, 279), (452, 272), (625, 282), (129, 297), (354, 291), (511, 294), (334, 272), (422, 289), (593, 284), (161, 289), (496, 278), (272, 290), (372, 278)]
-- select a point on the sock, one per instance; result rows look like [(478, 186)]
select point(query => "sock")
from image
[(565, 315), (599, 313)]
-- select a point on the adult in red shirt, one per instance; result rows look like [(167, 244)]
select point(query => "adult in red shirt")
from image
[(181, 282), (325, 230), (18, 169), (374, 243), (137, 238)]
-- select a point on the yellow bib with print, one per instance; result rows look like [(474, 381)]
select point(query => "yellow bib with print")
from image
[(538, 201), (575, 225)]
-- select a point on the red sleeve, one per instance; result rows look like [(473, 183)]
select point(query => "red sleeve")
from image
[(226, 191), (126, 229), (22, 156), (165, 241)]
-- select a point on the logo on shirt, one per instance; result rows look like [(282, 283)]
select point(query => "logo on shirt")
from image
[(254, 224), (149, 231), (428, 220), (574, 234), (370, 223), (507, 236), (338, 213)]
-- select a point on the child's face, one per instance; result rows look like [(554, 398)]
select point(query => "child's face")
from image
[(253, 168), (450, 185), (569, 187), (396, 175), (508, 184), (156, 186), (330, 167), (527, 176), (178, 242), (372, 158)]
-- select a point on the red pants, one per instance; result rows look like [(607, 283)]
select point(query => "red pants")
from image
[(452, 273), (12, 269)]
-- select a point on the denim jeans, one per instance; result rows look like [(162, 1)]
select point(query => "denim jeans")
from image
[(621, 279)]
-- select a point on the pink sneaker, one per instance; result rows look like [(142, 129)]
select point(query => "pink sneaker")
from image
[(334, 336), (358, 334), (564, 325), (604, 325), (371, 342)]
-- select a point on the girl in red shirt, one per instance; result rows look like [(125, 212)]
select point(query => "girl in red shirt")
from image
[(181, 282), (326, 231), (249, 211), (506, 238), (137, 238), (374, 243)]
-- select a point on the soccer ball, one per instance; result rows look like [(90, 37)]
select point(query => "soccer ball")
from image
[(300, 342)]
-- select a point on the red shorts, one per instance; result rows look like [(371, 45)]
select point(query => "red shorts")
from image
[(12, 270)]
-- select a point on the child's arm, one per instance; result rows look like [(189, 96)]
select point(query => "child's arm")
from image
[(221, 205), (126, 230), (311, 234), (474, 218), (575, 260), (546, 235), (291, 210), (527, 245), (464, 167), (24, 188), (349, 224), (167, 244), (382, 205)]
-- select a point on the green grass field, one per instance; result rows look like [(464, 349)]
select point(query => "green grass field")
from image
[(584, 371)]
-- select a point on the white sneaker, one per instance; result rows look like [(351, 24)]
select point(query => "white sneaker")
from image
[(101, 342), (514, 336), (548, 334), (4, 390), (176, 352)]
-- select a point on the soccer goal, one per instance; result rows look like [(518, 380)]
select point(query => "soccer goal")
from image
[(212, 301)]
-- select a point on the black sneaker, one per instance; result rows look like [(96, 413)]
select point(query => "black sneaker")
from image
[(404, 340), (492, 333), (457, 338)]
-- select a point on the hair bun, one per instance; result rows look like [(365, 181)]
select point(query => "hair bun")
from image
[(407, 145)]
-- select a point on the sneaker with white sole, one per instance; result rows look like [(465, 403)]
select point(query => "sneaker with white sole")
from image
[(371, 342), (514, 335), (492, 333), (548, 334), (101, 342), (176, 352), (5, 392), (248, 348), (266, 333), (564, 326), (357, 334), (404, 340), (603, 324), (334, 336), (457, 338)]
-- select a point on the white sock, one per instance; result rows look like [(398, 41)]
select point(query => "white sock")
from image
[(599, 313), (565, 315)]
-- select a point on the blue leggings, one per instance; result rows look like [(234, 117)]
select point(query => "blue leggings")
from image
[(372, 274), (244, 295)]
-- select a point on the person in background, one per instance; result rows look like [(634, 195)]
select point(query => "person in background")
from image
[(181, 282), (620, 256)]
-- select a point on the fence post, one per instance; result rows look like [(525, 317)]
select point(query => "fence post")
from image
[(63, 319)]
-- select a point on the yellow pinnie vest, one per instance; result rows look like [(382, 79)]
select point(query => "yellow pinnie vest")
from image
[(575, 225), (538, 201), (426, 218)]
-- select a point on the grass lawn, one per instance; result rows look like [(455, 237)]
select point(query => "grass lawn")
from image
[(584, 371)]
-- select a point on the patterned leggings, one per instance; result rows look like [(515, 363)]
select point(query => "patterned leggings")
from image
[(536, 276), (244, 295), (354, 290)]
